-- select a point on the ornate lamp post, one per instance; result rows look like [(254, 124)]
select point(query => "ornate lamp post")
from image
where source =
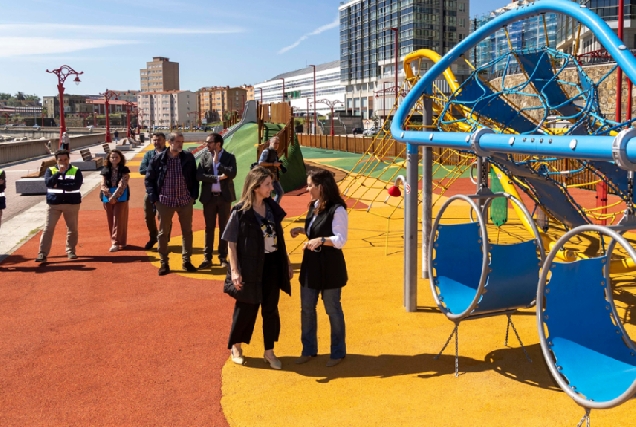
[(129, 107), (107, 96), (62, 74), (330, 104)]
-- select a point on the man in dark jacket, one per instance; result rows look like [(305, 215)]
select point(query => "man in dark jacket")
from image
[(159, 142), (63, 198), (171, 184), (269, 159), (216, 171)]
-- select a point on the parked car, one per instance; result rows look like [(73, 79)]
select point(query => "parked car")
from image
[(357, 131), (370, 132)]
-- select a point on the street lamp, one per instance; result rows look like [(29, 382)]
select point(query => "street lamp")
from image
[(129, 105), (330, 104), (62, 73), (397, 55), (283, 87), (107, 96), (315, 117)]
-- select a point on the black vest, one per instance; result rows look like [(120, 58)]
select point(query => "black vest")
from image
[(250, 248), (325, 269)]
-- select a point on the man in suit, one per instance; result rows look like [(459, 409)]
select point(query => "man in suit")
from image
[(216, 171)]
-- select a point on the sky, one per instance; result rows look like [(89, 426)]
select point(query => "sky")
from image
[(215, 42)]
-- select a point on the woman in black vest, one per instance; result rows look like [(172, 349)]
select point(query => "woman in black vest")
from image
[(259, 266), (115, 196), (323, 270)]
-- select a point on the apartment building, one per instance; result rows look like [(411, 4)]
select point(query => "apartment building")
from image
[(367, 44), (299, 88), (526, 34), (167, 108), (569, 39), (160, 75), (215, 101)]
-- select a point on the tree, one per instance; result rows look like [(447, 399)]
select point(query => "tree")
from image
[(4, 96), (19, 96)]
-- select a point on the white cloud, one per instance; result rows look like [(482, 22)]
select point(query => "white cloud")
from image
[(46, 28), (20, 46), (317, 31)]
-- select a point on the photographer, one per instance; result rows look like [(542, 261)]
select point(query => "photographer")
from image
[(269, 160)]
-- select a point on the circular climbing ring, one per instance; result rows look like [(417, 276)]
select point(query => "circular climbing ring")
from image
[(549, 356), (485, 245)]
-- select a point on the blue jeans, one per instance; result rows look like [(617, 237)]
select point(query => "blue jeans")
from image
[(309, 324), (278, 189)]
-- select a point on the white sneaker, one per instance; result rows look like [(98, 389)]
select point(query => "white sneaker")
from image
[(114, 248)]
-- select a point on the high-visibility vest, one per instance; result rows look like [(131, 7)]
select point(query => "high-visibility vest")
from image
[(69, 175)]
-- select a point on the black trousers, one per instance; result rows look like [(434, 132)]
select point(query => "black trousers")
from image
[(216, 206), (245, 314)]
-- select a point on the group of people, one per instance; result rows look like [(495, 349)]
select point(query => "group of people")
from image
[(251, 244)]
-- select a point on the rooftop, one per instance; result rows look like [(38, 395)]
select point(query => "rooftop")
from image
[(307, 70)]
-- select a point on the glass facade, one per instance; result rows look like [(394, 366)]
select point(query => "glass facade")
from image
[(366, 38), (568, 28), (527, 34)]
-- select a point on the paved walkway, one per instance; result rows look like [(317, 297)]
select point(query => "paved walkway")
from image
[(103, 341)]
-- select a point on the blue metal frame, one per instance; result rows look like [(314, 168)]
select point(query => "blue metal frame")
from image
[(589, 147)]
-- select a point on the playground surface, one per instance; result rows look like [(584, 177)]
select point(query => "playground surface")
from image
[(102, 340)]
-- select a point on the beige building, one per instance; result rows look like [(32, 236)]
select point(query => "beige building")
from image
[(167, 108), (160, 75), (215, 101), (250, 92)]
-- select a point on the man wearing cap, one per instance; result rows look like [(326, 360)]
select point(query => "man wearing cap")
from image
[(63, 198)]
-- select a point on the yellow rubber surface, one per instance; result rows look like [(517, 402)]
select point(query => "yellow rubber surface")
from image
[(390, 376)]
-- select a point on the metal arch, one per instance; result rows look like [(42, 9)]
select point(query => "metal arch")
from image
[(547, 354), (485, 246), (599, 28)]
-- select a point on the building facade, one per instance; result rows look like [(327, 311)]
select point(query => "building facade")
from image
[(160, 75), (527, 34), (299, 89), (570, 41), (367, 44), (167, 108), (214, 102), (73, 104)]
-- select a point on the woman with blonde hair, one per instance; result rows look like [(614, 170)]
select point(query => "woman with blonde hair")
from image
[(259, 266), (115, 196)]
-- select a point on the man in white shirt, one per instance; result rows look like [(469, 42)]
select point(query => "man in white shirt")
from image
[(216, 171)]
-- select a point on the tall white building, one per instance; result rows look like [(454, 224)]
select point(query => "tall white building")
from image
[(168, 108), (299, 88)]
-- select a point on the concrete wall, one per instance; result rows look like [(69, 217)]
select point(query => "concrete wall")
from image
[(23, 150), (46, 132), (606, 90)]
